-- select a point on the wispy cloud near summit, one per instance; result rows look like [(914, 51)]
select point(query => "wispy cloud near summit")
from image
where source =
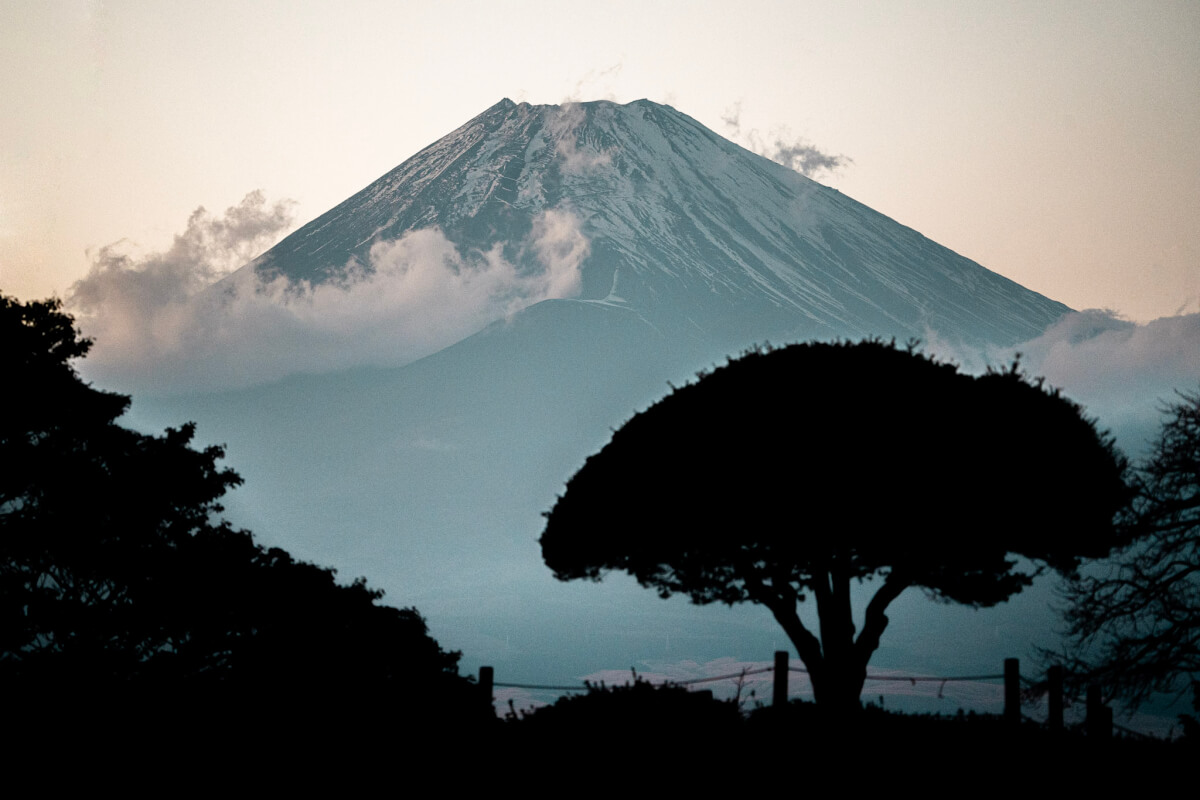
[(564, 127), (782, 147)]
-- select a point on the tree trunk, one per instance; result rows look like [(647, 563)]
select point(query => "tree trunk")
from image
[(838, 691), (837, 662)]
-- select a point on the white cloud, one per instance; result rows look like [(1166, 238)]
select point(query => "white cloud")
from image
[(156, 332), (1120, 371), (564, 130), (561, 247), (802, 156), (733, 119), (782, 147), (597, 84), (120, 282), (1096, 352)]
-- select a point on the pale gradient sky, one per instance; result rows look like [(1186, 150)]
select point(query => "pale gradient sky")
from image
[(1057, 143)]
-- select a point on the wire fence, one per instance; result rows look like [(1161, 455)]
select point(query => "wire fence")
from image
[(1099, 717), (742, 674)]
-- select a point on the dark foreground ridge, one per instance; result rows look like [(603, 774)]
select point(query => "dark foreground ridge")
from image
[(612, 736)]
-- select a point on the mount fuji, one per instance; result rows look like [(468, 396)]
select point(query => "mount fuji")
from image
[(654, 248), (687, 230)]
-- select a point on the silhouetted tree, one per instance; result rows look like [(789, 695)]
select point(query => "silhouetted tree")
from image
[(1134, 624), (114, 572), (801, 470)]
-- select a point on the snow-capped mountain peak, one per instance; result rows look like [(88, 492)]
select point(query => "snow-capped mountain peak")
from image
[(688, 229)]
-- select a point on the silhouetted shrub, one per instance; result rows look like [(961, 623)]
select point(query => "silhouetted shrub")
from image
[(613, 711), (126, 605)]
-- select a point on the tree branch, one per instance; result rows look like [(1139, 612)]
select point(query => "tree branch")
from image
[(781, 600), (876, 621)]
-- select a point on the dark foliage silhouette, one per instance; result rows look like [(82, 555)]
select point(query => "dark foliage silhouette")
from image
[(117, 582), (797, 471), (613, 711), (1134, 623)]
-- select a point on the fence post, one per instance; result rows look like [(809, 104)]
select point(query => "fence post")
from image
[(1012, 691), (1099, 716), (781, 679), (486, 679), (1054, 685)]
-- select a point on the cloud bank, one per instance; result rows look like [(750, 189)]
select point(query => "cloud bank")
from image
[(161, 327), (120, 282), (1120, 371)]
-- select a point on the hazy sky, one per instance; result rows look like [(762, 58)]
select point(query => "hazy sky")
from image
[(1056, 143)]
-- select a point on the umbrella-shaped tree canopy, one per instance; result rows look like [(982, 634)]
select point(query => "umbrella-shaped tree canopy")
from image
[(790, 472)]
